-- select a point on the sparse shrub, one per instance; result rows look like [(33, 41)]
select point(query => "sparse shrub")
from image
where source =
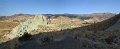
[(45, 40), (25, 37), (15, 21)]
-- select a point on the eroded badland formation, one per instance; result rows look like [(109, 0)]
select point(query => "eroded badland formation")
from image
[(60, 31)]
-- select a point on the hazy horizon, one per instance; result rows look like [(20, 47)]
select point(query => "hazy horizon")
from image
[(58, 6)]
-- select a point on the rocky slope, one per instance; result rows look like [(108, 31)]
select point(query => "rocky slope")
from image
[(93, 36), (27, 26)]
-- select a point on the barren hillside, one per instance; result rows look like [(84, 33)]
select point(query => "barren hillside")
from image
[(70, 33)]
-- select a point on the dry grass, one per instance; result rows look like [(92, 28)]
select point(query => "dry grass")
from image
[(7, 25), (98, 40)]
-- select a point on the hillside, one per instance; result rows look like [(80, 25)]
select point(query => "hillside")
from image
[(89, 36)]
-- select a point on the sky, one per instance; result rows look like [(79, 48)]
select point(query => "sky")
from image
[(11, 7)]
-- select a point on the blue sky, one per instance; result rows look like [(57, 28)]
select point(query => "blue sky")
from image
[(11, 7)]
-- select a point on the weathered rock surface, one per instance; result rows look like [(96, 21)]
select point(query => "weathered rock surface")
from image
[(27, 26)]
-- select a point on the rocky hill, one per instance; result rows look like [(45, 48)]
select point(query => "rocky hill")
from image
[(90, 36)]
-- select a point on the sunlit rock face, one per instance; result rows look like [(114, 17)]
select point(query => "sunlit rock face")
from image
[(27, 26)]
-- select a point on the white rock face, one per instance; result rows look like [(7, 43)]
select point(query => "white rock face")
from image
[(27, 26)]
